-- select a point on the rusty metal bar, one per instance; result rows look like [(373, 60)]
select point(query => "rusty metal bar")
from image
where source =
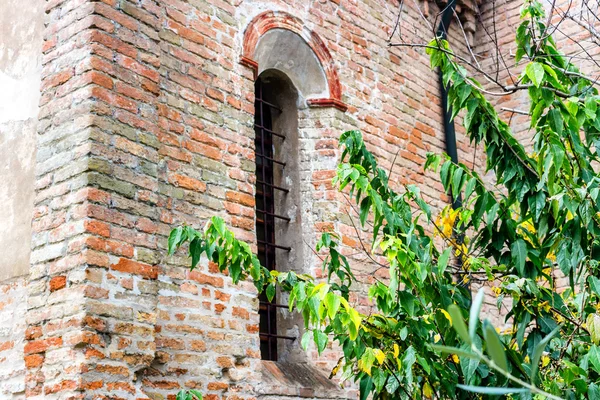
[(270, 159), (263, 128), (273, 186), (270, 335), (261, 100), (274, 245), (273, 215), (274, 304)]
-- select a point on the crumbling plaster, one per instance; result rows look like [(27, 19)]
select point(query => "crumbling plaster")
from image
[(21, 34)]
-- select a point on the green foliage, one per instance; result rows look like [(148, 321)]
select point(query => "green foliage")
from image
[(191, 394), (542, 216), (496, 359)]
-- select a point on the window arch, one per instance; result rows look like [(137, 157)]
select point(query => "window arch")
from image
[(331, 94)]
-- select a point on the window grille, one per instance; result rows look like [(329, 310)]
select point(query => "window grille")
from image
[(266, 190)]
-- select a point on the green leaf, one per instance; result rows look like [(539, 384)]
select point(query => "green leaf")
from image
[(535, 72), (306, 338), (366, 386), (320, 340), (463, 93), (459, 323), (593, 326), (407, 363), (519, 255), (219, 225), (403, 333), (551, 77), (472, 107), (196, 250), (445, 174), (365, 207), (491, 390), (538, 351), (443, 261), (457, 181), (556, 121), (333, 304), (474, 314), (270, 292), (594, 357), (196, 393), (367, 360), (494, 346), (595, 285), (379, 377), (174, 239), (470, 187), (593, 391), (355, 318)]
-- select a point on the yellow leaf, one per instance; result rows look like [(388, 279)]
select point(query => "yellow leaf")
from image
[(379, 355), (544, 306), (361, 367), (335, 369), (396, 350), (445, 222), (448, 317), (437, 338), (427, 391), (545, 361)]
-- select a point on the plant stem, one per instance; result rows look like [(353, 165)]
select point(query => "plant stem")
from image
[(513, 378)]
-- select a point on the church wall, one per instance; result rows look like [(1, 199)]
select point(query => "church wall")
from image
[(146, 122)]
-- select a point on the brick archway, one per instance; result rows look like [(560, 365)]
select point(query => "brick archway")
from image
[(268, 20)]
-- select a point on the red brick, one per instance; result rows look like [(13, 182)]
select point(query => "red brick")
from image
[(136, 268), (57, 283)]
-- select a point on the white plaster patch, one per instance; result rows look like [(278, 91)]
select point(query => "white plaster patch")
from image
[(20, 97)]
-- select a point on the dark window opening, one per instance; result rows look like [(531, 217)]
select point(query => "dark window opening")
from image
[(267, 161)]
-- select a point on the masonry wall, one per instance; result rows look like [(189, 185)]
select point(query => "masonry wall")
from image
[(21, 28), (145, 123)]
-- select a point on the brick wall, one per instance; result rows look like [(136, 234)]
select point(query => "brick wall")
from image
[(146, 122)]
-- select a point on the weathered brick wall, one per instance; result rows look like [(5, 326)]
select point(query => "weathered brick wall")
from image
[(146, 122)]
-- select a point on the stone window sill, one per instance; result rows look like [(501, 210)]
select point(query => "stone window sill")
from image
[(298, 380)]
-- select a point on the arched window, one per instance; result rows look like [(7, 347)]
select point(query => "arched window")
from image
[(278, 228), (294, 78)]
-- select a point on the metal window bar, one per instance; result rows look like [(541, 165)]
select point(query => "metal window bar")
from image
[(273, 215), (265, 226), (262, 183)]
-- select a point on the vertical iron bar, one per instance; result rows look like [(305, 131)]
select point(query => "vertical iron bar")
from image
[(265, 205)]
